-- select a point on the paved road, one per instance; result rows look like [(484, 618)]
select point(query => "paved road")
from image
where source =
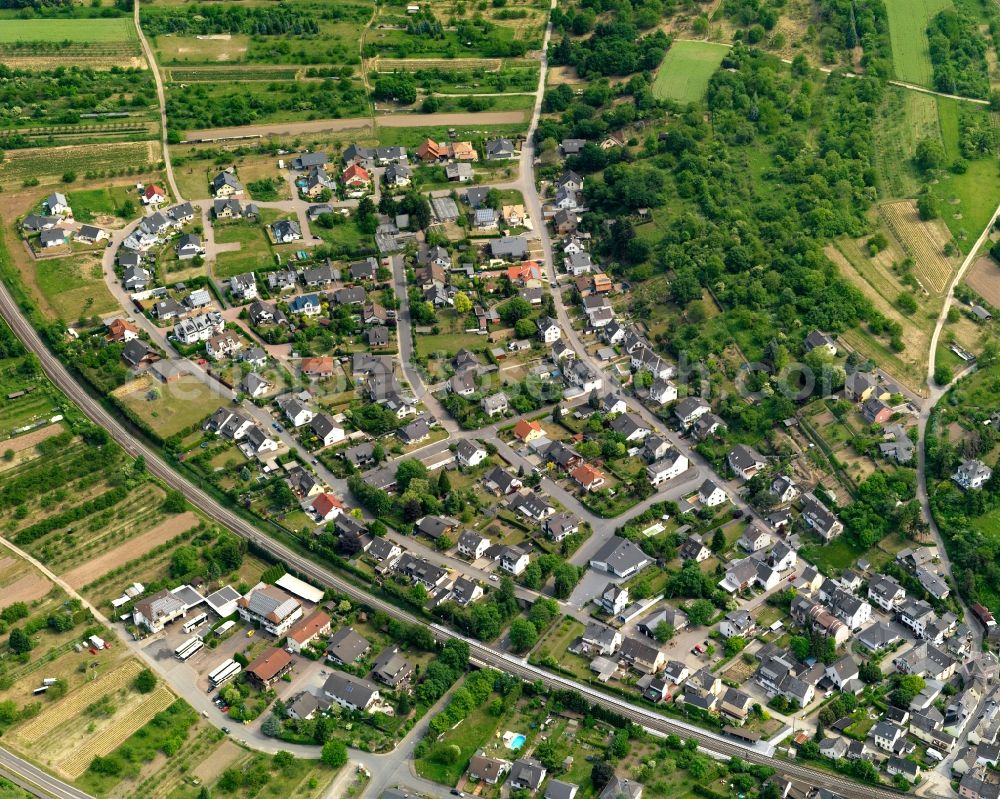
[(33, 779)]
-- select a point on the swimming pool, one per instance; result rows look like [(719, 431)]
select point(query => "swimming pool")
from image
[(516, 742)]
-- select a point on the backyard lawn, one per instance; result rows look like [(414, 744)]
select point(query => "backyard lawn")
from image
[(170, 408), (74, 287), (254, 253), (468, 736)]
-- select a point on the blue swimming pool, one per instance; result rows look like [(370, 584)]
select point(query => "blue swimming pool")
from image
[(516, 742)]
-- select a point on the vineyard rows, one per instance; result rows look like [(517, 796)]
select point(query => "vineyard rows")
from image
[(932, 268), (113, 737), (231, 75), (414, 64), (78, 701), (39, 163)]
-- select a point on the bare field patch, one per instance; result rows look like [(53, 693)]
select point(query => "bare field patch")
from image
[(199, 49), (26, 588), (558, 75), (984, 279), (35, 437), (87, 572), (211, 768)]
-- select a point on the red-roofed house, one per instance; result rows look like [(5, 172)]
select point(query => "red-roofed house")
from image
[(327, 507), (317, 367), (529, 274), (306, 631), (589, 477), (527, 431), (356, 177), (121, 330), (153, 195), (270, 667), (430, 150)]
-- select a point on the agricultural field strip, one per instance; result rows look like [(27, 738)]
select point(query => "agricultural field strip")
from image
[(53, 162), (934, 269), (134, 517), (112, 738), (78, 31), (908, 37), (78, 701)]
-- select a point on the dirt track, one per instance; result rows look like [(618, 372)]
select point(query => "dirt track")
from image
[(86, 573), (388, 121)]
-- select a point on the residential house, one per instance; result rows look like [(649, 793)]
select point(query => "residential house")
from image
[(286, 231), (469, 453), (613, 599), (473, 545), (745, 461), (326, 429), (588, 477), (308, 630), (818, 340), (346, 646), (972, 475), (226, 185), (820, 519), (710, 495), (270, 608), (690, 409), (350, 692), (391, 668), (269, 667), (620, 557), (244, 286), (499, 149), (670, 465), (526, 774)]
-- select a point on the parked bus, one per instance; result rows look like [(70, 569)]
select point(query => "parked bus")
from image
[(196, 622), (225, 627), (195, 646), (188, 648), (184, 645), (220, 668), (224, 673)]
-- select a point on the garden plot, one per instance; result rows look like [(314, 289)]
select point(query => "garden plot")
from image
[(124, 724), (91, 721), (923, 241), (136, 547)]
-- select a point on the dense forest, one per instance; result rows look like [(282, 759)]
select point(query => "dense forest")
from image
[(958, 55), (616, 48)]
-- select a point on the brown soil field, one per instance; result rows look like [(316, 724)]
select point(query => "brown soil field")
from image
[(984, 279), (28, 588), (22, 443), (211, 768), (87, 572)]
